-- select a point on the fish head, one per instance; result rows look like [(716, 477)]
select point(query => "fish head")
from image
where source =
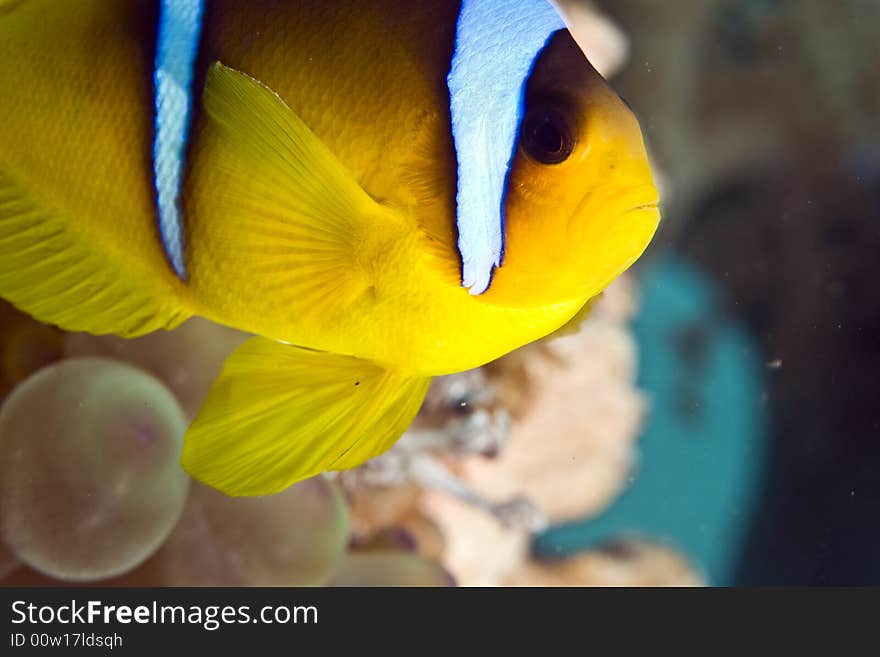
[(580, 204)]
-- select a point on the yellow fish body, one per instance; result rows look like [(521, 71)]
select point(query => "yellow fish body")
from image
[(319, 203)]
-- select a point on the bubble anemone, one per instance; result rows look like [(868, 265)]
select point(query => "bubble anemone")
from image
[(188, 359), (90, 484), (9, 563), (294, 538), (25, 346)]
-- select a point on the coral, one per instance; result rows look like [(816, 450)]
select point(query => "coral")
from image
[(569, 449)]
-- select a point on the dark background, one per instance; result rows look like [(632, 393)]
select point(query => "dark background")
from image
[(763, 117)]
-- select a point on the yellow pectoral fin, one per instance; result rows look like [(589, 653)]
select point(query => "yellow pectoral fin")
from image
[(51, 268), (280, 413), (291, 221)]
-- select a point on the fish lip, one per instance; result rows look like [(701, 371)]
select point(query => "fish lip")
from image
[(653, 205), (646, 191)]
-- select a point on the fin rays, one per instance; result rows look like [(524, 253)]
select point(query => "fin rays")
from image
[(280, 413), (53, 273), (295, 220)]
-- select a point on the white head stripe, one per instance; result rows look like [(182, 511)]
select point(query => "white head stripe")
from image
[(496, 45), (180, 23)]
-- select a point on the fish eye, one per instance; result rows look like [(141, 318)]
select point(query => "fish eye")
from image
[(547, 136)]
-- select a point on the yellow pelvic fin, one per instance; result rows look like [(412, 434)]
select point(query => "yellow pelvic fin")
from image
[(291, 223), (51, 268), (280, 413)]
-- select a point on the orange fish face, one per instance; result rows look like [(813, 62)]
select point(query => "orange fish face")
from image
[(581, 205)]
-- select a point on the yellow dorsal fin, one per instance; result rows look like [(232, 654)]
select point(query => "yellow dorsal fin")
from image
[(52, 271), (292, 233), (280, 413)]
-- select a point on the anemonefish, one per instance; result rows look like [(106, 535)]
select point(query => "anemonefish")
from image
[(380, 191)]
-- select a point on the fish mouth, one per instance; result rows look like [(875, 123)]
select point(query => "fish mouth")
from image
[(617, 203), (645, 195)]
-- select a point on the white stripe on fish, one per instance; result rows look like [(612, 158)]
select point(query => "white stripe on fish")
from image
[(180, 23), (496, 45)]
